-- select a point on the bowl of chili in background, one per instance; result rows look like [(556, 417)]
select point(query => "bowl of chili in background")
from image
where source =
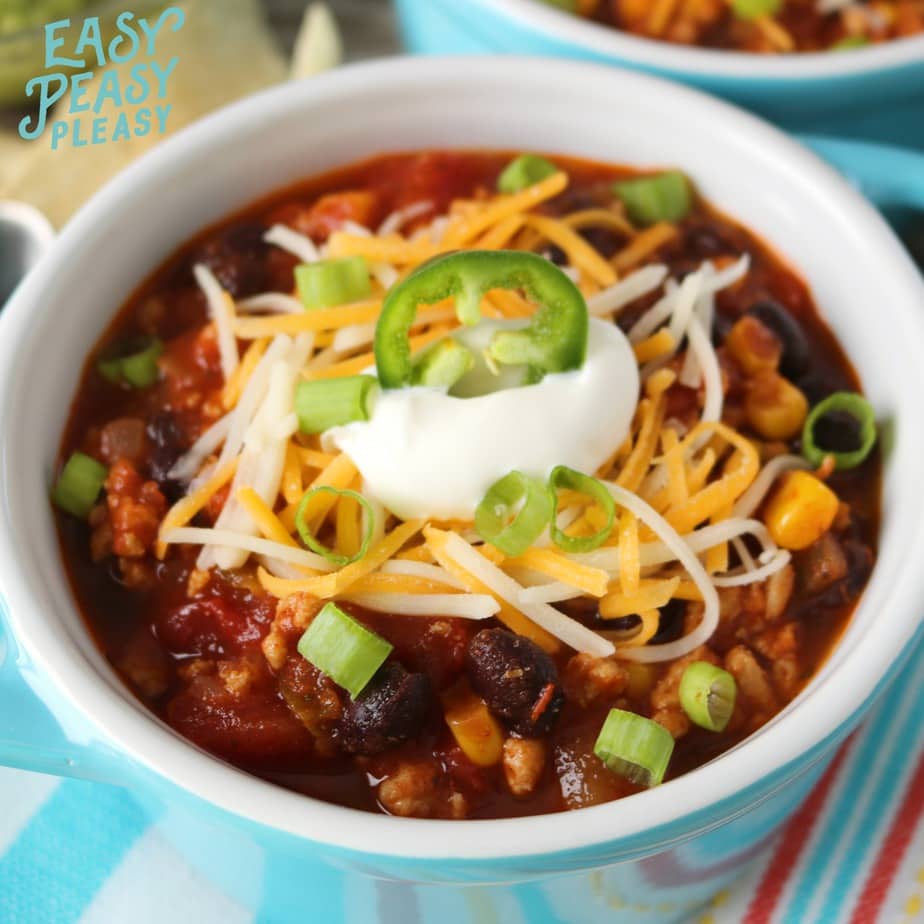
[(807, 213), (874, 92)]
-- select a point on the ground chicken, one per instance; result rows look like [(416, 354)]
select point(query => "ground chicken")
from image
[(523, 762), (414, 791), (587, 679)]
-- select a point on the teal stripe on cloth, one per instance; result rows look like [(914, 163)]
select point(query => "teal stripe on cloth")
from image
[(67, 851)]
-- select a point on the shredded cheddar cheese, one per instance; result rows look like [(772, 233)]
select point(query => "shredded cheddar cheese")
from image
[(187, 507), (329, 585), (465, 229)]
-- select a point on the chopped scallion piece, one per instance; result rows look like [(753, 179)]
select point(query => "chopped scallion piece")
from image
[(650, 199), (849, 42), (343, 649), (569, 6), (634, 747), (329, 283), (319, 548), (755, 9), (442, 365), (133, 363), (707, 695), (840, 403), (324, 403), (525, 171), (514, 513), (564, 478), (79, 484)]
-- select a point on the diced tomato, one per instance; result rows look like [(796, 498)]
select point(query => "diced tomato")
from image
[(328, 214), (437, 177), (256, 728), (216, 626), (435, 647)]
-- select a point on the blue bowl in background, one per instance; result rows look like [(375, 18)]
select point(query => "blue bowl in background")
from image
[(875, 93)]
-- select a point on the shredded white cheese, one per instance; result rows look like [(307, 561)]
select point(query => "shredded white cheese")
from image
[(753, 575), (400, 217), (221, 311), (192, 460), (641, 282), (271, 301), (193, 535), (460, 606), (299, 245)]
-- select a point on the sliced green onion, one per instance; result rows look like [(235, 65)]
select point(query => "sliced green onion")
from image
[(319, 548), (329, 283), (133, 363), (564, 478), (707, 695), (324, 403), (650, 199), (860, 410), (442, 365), (634, 747), (850, 41), (525, 171), (79, 484), (569, 6), (343, 649), (755, 9), (514, 513)]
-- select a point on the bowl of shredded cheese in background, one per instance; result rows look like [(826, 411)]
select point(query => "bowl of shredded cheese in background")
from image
[(874, 92)]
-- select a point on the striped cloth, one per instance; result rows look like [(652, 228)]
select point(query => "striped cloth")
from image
[(83, 852)]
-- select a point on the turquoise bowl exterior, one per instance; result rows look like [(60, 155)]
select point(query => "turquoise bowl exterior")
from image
[(885, 105), (658, 877)]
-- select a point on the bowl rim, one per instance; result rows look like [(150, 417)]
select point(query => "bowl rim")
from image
[(675, 809), (560, 26)]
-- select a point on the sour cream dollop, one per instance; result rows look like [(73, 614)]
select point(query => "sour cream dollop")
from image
[(425, 453)]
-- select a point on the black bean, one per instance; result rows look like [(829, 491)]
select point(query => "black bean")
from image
[(513, 675), (795, 359), (391, 709), (166, 447), (707, 242), (624, 623), (670, 623), (837, 431), (859, 565), (816, 387), (238, 258), (604, 240), (556, 255)]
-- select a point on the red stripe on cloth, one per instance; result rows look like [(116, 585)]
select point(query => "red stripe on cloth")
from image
[(893, 850), (795, 837)]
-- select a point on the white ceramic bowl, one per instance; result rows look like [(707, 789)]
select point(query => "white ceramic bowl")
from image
[(862, 280)]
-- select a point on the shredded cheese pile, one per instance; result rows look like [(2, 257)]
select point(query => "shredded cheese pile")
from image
[(682, 495)]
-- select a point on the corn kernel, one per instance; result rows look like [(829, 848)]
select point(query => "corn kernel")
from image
[(754, 346), (801, 511), (476, 731), (775, 408)]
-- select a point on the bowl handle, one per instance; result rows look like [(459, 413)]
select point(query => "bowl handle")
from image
[(41, 732), (890, 177)]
